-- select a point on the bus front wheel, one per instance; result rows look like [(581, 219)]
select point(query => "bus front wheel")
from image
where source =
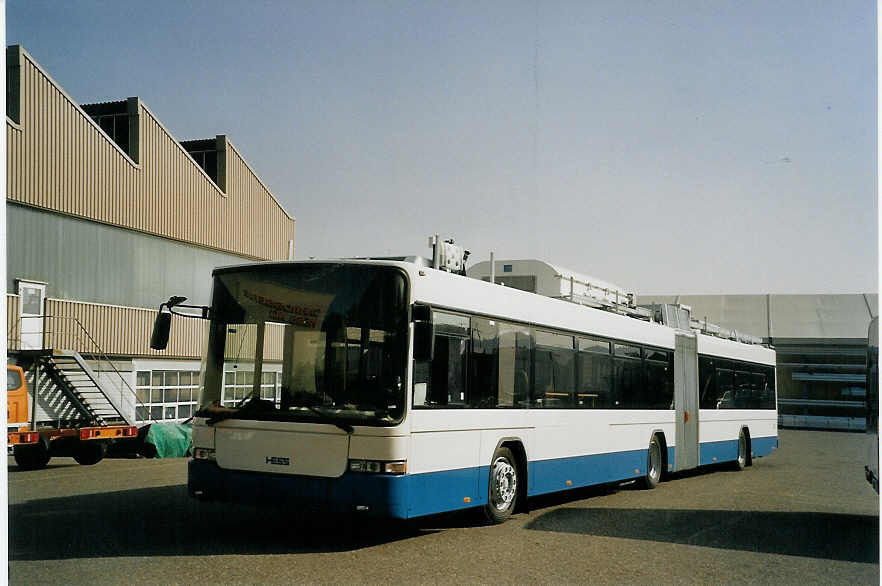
[(504, 486)]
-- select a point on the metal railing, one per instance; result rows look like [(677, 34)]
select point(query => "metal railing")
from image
[(81, 335)]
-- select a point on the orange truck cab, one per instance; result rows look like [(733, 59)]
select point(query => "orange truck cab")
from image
[(16, 398)]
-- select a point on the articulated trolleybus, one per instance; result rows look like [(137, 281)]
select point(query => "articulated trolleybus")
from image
[(401, 390)]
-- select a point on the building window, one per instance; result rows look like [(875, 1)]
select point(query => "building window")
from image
[(238, 385), (166, 395), (208, 161), (117, 127), (205, 153)]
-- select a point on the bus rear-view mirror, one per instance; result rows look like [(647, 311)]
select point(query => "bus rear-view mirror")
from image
[(161, 328)]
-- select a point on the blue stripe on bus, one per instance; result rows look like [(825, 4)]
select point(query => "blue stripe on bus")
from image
[(447, 490), (763, 446), (552, 475), (727, 451), (716, 452), (415, 495)]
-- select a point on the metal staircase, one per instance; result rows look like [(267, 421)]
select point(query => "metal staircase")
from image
[(76, 393)]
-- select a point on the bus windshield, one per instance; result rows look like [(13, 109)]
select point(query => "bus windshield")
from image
[(323, 342)]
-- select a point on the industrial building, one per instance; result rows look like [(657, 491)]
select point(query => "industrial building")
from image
[(821, 346), (108, 215), (820, 340)]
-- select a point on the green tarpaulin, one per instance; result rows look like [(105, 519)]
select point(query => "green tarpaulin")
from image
[(172, 440)]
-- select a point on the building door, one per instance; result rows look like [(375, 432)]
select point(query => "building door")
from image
[(686, 401), (32, 306)]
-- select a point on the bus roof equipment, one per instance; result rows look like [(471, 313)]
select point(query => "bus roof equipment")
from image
[(543, 278)]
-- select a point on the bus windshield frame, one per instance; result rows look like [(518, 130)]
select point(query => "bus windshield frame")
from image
[(335, 335)]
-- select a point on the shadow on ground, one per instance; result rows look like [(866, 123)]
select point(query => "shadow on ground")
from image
[(166, 521), (853, 538)]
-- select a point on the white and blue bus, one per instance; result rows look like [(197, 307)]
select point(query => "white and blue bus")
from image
[(402, 391)]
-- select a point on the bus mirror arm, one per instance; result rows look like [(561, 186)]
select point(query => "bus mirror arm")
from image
[(162, 324)]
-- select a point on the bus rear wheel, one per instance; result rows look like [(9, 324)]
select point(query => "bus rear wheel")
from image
[(31, 456), (741, 460), (504, 486), (654, 463)]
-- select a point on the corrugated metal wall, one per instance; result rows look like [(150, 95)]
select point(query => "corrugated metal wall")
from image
[(118, 331), (90, 328), (60, 160), (12, 322)]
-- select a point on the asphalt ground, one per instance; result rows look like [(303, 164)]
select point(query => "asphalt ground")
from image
[(804, 515)]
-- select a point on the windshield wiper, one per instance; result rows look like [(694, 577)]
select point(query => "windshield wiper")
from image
[(251, 405), (328, 419), (254, 405)]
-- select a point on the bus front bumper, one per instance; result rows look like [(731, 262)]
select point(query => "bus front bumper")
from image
[(371, 494)]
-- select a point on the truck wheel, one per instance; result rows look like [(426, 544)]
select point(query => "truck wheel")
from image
[(90, 452), (31, 456)]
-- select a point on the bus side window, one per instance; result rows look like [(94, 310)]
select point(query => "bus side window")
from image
[(659, 379), (742, 390), (594, 375), (769, 401), (707, 383), (726, 392), (448, 379), (515, 365), (555, 371), (483, 377), (757, 390), (628, 372)]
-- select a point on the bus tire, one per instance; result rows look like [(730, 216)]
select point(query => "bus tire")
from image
[(654, 464), (504, 486), (90, 452), (743, 456), (31, 456)]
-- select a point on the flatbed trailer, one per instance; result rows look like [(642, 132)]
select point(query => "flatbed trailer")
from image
[(86, 445), (33, 446)]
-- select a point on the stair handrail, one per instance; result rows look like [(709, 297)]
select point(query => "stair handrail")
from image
[(101, 353)]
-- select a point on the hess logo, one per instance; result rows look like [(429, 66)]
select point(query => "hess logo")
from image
[(276, 460)]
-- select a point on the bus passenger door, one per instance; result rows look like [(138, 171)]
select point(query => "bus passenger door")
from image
[(686, 401)]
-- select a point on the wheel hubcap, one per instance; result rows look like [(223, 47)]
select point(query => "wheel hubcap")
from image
[(505, 484)]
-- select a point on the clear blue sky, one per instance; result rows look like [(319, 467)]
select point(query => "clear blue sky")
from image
[(703, 147)]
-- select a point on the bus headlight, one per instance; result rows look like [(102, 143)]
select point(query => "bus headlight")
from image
[(203, 454), (396, 467)]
